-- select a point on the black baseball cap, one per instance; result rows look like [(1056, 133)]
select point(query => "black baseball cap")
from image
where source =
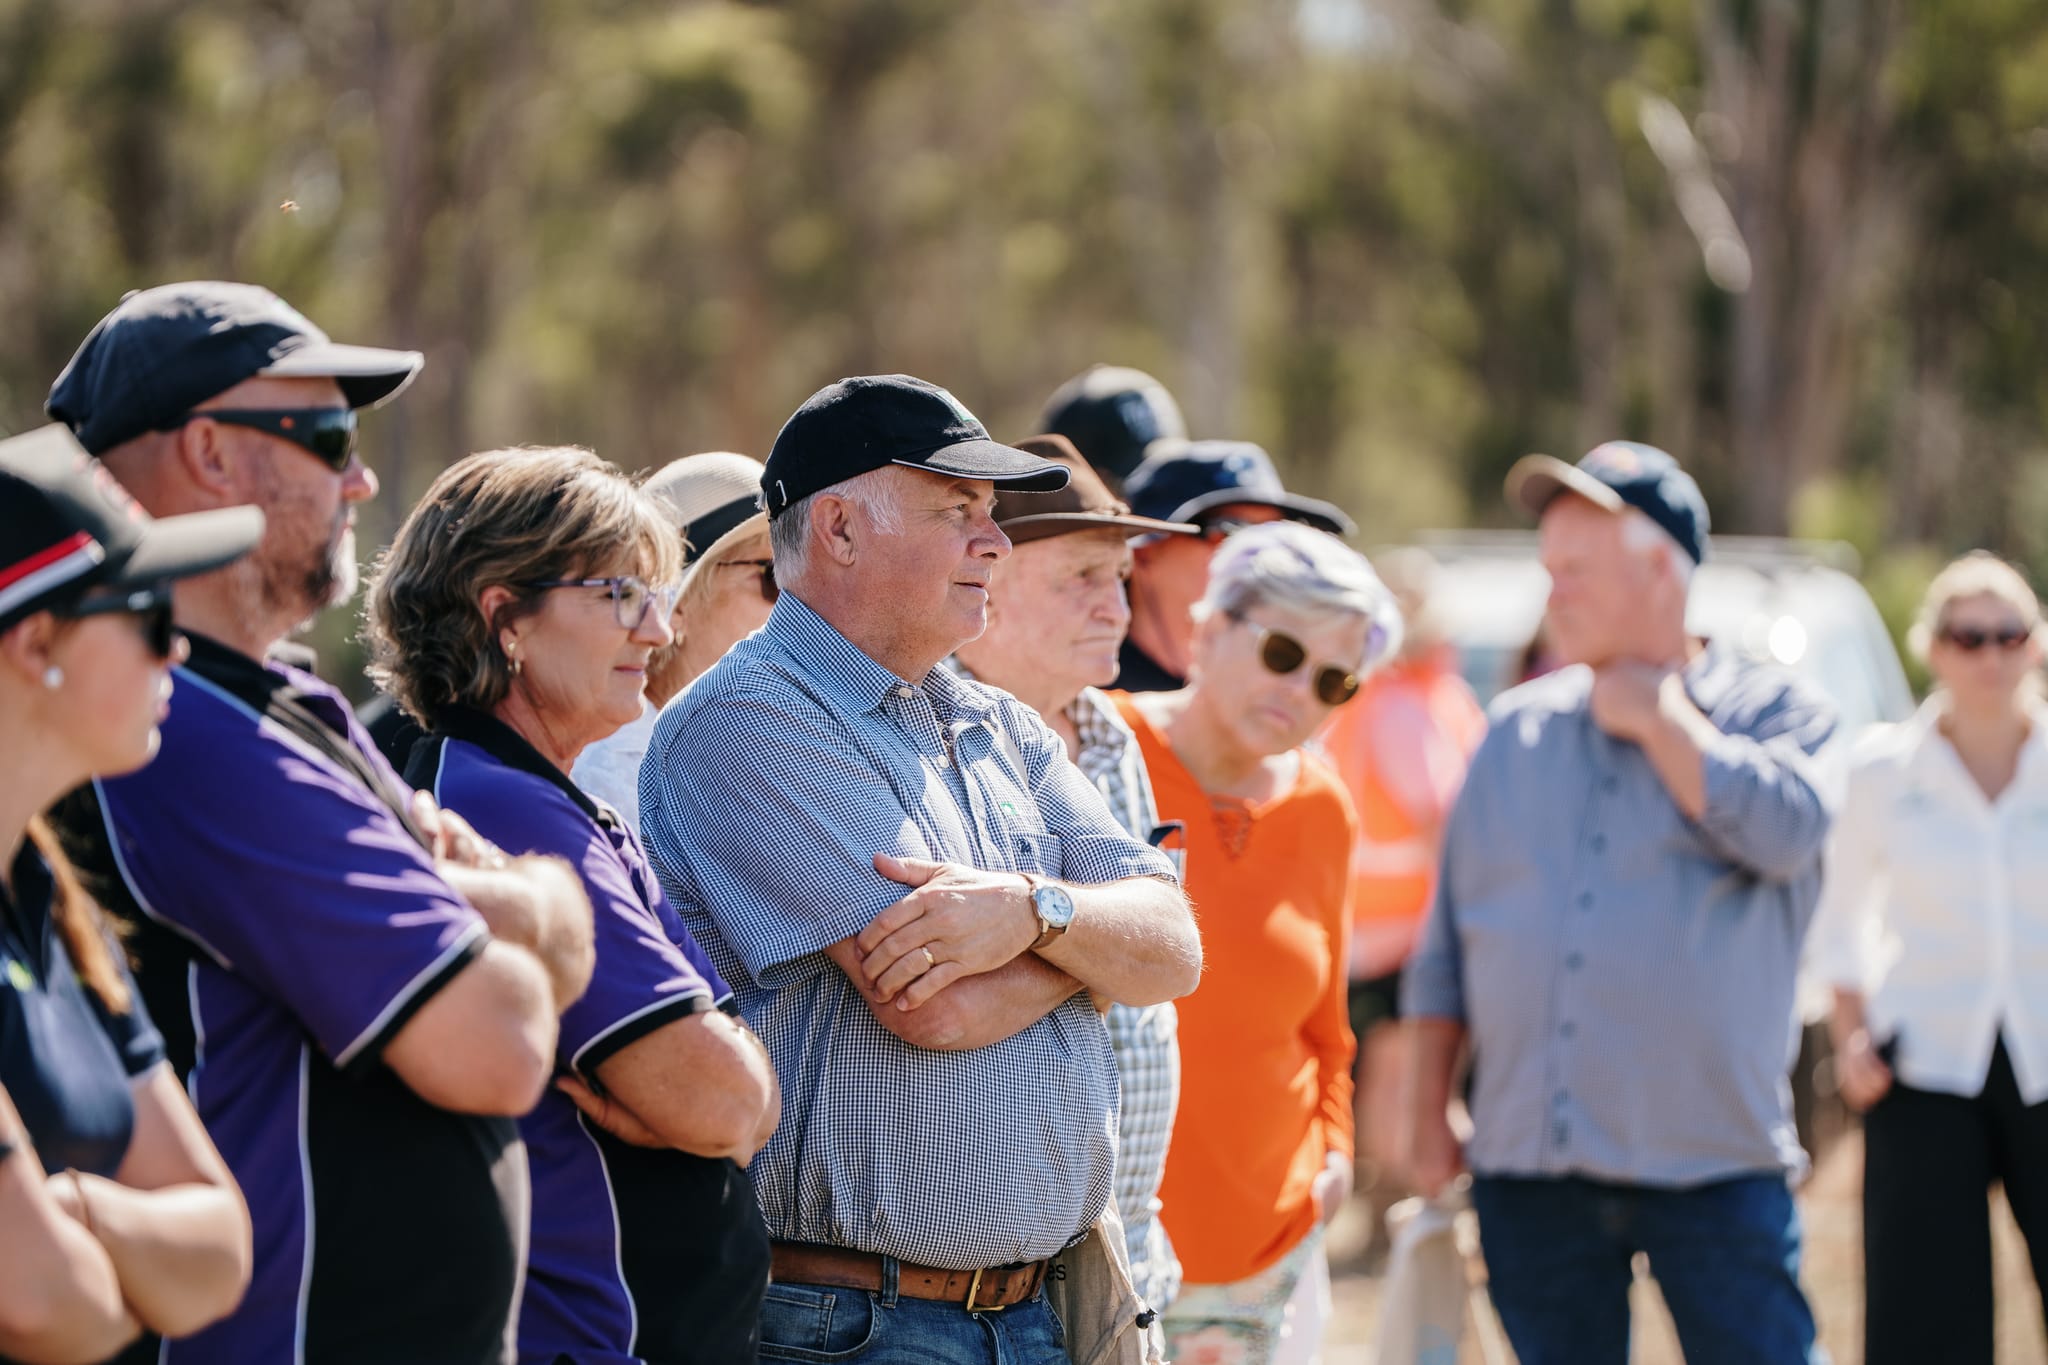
[(1181, 480), (66, 527), (164, 351), (869, 421), (1111, 413), (1616, 475)]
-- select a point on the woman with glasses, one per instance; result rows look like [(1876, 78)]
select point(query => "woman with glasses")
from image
[(1262, 1147), (117, 1216), (1933, 931), (728, 588), (515, 618)]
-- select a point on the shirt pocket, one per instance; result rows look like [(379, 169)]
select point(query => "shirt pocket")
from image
[(1034, 852)]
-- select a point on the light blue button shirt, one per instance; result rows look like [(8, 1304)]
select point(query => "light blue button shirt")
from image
[(770, 785), (1626, 973)]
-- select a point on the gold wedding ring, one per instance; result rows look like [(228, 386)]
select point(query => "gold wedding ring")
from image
[(929, 961)]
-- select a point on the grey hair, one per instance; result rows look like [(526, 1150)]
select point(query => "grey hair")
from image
[(789, 533), (1298, 568)]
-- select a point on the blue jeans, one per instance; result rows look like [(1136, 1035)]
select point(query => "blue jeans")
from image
[(1726, 1256), (822, 1324)]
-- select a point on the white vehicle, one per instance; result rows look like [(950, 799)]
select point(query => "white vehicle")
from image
[(1796, 603)]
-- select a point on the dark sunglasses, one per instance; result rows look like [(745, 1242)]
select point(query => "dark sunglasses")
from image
[(1283, 654), (150, 606), (327, 434), (770, 590), (1969, 639)]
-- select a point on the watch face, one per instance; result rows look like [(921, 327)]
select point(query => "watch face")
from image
[(1055, 906)]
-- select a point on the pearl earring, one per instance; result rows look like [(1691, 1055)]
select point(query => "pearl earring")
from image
[(53, 677)]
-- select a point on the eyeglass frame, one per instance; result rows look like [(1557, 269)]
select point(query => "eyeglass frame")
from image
[(281, 423), (770, 589), (150, 605), (1348, 680), (617, 584)]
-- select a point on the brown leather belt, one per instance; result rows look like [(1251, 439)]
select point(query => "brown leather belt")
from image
[(977, 1291)]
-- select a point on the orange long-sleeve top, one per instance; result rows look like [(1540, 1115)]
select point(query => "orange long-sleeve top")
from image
[(1266, 1044)]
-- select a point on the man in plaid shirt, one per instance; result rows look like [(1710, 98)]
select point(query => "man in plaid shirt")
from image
[(1057, 616)]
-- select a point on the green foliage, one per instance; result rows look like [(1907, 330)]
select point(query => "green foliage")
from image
[(1400, 245)]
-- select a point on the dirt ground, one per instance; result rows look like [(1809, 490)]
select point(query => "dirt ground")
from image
[(1834, 1281)]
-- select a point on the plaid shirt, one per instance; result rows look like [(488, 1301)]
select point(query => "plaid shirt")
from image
[(772, 782), (1146, 1040)]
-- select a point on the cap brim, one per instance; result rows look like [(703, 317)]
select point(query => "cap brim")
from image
[(1535, 481), (1041, 525), (369, 375), (196, 543), (1324, 516), (758, 523), (995, 462)]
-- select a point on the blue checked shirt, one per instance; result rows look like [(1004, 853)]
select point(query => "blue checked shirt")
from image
[(1146, 1039), (1627, 973), (771, 783)]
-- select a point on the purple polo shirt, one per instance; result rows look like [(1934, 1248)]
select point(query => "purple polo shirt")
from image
[(290, 927), (637, 1254)]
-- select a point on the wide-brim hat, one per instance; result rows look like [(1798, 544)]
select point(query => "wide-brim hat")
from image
[(1085, 504), (715, 499)]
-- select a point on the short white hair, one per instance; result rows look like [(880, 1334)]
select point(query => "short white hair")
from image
[(1639, 533), (789, 533), (1295, 567)]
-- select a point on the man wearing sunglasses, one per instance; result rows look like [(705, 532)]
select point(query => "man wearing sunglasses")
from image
[(359, 992), (1628, 874), (1220, 487)]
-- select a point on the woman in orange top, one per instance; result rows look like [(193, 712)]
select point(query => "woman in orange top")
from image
[(1261, 1152)]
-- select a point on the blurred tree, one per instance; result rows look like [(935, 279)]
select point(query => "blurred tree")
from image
[(1803, 243)]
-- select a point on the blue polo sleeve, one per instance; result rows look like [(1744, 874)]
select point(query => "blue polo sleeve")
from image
[(644, 978), (286, 871)]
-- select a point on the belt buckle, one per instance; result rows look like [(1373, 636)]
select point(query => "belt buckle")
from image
[(974, 1288)]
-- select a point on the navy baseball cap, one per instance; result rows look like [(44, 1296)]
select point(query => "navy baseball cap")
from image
[(66, 526), (1617, 475), (164, 351), (1181, 480), (869, 421), (1111, 413)]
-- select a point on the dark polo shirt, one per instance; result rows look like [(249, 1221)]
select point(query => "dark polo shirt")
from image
[(66, 1061), (290, 924), (637, 1254)]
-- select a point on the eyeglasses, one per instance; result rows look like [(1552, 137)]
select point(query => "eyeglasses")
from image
[(1283, 654), (328, 434), (1970, 639), (150, 606), (770, 589), (631, 596)]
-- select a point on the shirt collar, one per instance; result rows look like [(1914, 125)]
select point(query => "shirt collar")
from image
[(511, 748), (842, 668)]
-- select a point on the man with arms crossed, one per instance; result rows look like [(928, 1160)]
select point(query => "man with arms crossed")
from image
[(358, 991), (913, 894)]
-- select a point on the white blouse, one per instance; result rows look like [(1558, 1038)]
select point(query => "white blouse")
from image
[(1936, 906)]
